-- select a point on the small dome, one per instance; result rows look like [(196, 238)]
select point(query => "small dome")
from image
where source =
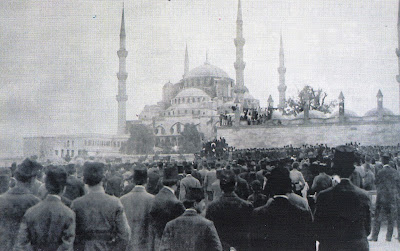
[(313, 114), (347, 114), (247, 95), (169, 84), (207, 70), (191, 92), (375, 112)]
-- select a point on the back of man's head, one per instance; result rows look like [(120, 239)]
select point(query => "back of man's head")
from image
[(279, 181), (227, 181), (27, 170), (56, 178), (140, 175), (93, 173)]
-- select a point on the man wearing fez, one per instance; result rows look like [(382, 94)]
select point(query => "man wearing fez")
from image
[(342, 214), (15, 202), (166, 206), (188, 182), (137, 204), (281, 224), (49, 225), (191, 231), (387, 182), (101, 222), (230, 215)]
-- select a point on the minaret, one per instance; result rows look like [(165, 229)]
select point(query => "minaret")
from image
[(186, 70), (341, 106), (239, 64), (398, 50), (122, 76), (282, 70), (379, 99)]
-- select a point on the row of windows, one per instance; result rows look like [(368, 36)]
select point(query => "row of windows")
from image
[(66, 144), (193, 112), (172, 130), (188, 100), (66, 153), (103, 143)]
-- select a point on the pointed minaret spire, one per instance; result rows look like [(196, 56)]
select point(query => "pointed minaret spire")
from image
[(207, 59), (282, 70), (379, 99), (239, 63), (186, 70), (122, 75), (398, 50), (341, 106)]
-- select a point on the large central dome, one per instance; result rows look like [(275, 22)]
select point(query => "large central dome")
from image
[(207, 70)]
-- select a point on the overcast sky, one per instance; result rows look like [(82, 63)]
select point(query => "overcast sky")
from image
[(58, 59)]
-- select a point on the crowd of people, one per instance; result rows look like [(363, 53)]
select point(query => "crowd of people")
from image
[(249, 199)]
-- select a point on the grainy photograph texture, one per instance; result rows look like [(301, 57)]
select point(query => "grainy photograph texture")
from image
[(200, 125)]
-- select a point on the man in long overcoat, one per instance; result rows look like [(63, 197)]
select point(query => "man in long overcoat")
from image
[(49, 225), (101, 222), (230, 215), (342, 214), (166, 206), (15, 202), (137, 204)]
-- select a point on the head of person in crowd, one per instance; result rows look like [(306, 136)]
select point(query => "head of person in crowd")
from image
[(140, 175), (296, 165), (27, 171), (188, 169), (5, 175), (56, 179), (279, 181), (256, 186), (171, 176), (343, 161), (227, 181), (93, 173), (194, 199), (180, 168), (385, 158)]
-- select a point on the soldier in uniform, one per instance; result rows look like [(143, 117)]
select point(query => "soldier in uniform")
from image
[(166, 206), (49, 225), (101, 222), (342, 214), (137, 204), (15, 202)]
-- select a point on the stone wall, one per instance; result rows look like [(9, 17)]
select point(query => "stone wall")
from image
[(261, 136)]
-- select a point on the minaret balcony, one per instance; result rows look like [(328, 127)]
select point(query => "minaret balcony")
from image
[(122, 75), (239, 65), (239, 42), (122, 53), (282, 88), (121, 98)]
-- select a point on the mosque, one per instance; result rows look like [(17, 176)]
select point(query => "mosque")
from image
[(203, 95)]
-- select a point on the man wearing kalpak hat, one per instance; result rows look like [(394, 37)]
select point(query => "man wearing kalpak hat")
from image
[(15, 202), (166, 205), (342, 215), (101, 222), (191, 231)]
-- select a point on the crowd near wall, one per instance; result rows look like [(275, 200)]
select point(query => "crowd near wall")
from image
[(264, 136)]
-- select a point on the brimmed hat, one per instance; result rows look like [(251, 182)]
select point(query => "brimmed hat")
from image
[(170, 174), (27, 169), (343, 154)]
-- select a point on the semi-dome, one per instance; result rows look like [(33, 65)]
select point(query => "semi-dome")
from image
[(375, 112), (207, 70), (347, 114), (191, 92)]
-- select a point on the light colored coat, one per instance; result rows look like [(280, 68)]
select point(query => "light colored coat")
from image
[(137, 205), (188, 182), (48, 225), (13, 205)]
